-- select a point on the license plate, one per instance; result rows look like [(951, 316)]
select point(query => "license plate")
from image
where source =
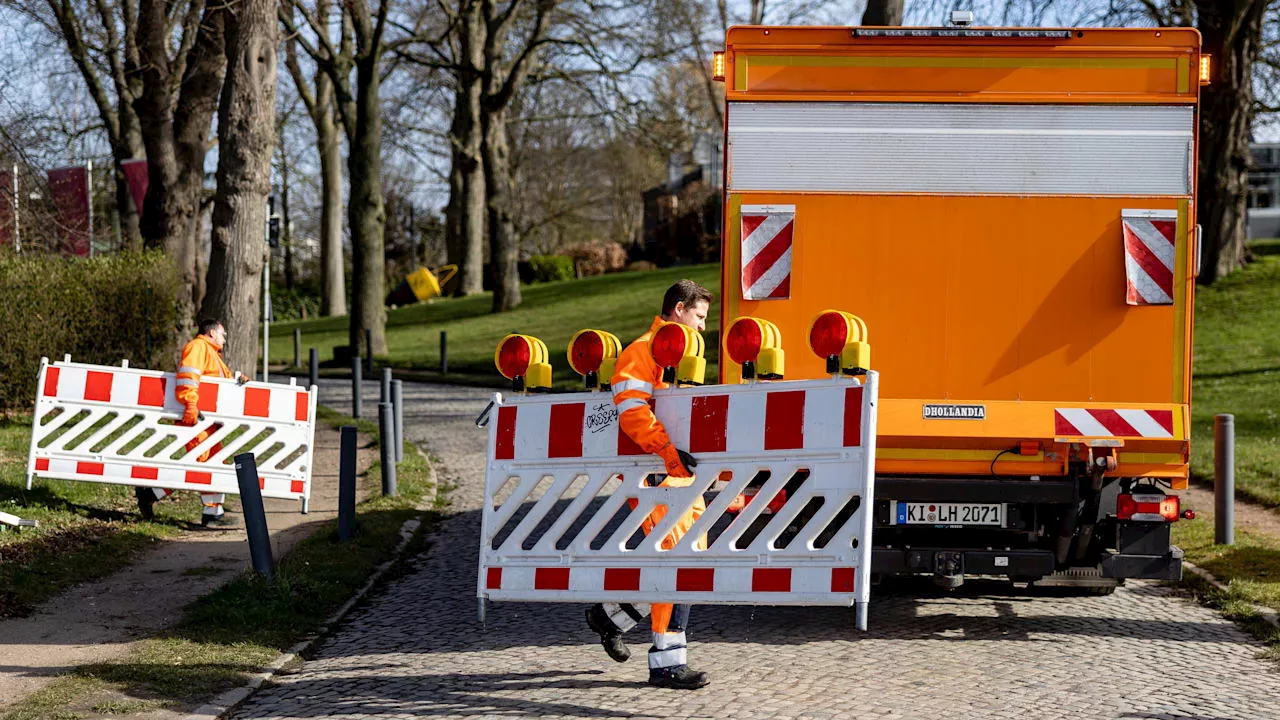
[(923, 513)]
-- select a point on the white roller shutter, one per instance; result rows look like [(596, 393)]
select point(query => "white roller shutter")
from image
[(960, 148)]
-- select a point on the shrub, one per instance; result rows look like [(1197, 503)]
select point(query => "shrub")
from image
[(641, 266), (599, 258), (300, 303), (550, 268), (101, 310)]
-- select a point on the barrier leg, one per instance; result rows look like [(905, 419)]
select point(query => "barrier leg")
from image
[(255, 517), (347, 484), (480, 610), (386, 430)]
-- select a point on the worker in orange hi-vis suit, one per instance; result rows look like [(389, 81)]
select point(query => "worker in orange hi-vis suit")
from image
[(634, 380), (200, 357)]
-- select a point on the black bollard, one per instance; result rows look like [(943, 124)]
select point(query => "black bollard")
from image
[(297, 347), (397, 404), (444, 353), (347, 484), (368, 348), (315, 368), (355, 387), (386, 431), (255, 517)]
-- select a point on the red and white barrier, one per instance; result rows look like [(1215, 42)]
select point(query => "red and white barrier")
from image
[(566, 494), (110, 424)]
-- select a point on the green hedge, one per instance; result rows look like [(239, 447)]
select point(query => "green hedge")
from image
[(101, 311), (550, 268)]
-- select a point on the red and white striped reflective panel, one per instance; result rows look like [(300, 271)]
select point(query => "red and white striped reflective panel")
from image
[(125, 388), (767, 232), (727, 581), (1149, 252), (1094, 422), (796, 419)]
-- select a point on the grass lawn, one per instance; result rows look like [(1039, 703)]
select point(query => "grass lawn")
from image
[(1237, 370), (86, 531), (622, 303), (235, 630)]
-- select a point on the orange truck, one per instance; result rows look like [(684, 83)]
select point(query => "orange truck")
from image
[(1012, 213)]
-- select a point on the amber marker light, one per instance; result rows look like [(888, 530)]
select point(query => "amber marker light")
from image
[(1206, 65), (718, 65), (593, 354), (678, 351), (523, 360), (755, 344)]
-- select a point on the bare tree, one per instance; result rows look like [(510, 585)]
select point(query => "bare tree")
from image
[(321, 107), (882, 13), (465, 214), (246, 139)]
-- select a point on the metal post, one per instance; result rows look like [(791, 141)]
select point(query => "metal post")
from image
[(1224, 479), (88, 182), (397, 402), (368, 347), (384, 392), (386, 431), (315, 368), (266, 314), (355, 387), (444, 353), (347, 484), (297, 347), (17, 214), (255, 517)]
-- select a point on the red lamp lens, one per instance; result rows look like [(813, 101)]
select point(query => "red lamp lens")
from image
[(829, 334), (668, 345), (743, 341), (514, 357), (587, 353)]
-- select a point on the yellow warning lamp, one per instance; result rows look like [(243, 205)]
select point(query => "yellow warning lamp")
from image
[(718, 66), (841, 339), (1206, 65), (523, 359), (678, 351), (593, 355), (755, 344)]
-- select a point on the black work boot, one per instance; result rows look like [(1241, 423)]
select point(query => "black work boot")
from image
[(146, 502), (219, 522), (681, 677), (610, 638)]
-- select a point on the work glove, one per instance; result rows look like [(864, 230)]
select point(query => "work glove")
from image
[(242, 379), (190, 415), (679, 463)]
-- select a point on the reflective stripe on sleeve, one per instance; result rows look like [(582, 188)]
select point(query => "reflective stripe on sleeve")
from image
[(189, 369), (631, 403), (625, 385), (668, 641), (188, 382)]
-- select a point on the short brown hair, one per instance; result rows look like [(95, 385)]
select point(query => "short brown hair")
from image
[(687, 292)]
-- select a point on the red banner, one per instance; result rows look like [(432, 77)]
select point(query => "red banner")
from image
[(69, 188), (135, 173)]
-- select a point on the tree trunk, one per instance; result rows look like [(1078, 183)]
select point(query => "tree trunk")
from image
[(366, 212), (332, 268), (176, 138), (246, 137), (503, 247), (881, 13), (464, 218), (1232, 33)]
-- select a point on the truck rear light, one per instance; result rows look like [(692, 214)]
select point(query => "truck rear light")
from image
[(1148, 507)]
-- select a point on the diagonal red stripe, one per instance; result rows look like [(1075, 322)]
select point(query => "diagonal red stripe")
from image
[(783, 290), (1167, 229), (1063, 426), (1164, 417), (767, 256), (1115, 424), (750, 223), (1147, 260)]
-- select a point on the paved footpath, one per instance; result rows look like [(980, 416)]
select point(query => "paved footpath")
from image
[(417, 651)]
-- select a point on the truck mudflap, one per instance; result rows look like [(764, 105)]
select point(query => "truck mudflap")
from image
[(1143, 567)]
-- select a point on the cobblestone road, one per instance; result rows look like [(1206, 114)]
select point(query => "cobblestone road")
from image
[(417, 650)]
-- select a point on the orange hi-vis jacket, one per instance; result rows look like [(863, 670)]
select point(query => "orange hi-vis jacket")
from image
[(199, 358), (635, 378)]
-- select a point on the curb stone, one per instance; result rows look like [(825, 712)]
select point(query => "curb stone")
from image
[(231, 699), (1266, 613)]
